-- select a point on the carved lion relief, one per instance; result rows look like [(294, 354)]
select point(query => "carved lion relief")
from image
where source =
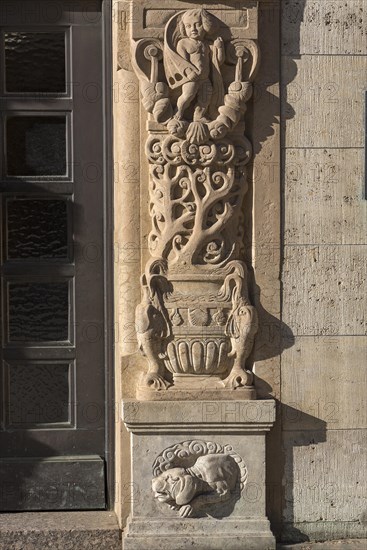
[(195, 318), (198, 478)]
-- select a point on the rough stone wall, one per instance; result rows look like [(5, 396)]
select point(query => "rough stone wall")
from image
[(323, 374)]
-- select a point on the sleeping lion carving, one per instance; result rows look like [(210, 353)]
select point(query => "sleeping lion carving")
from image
[(212, 479)]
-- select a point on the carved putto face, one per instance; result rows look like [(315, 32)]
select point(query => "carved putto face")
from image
[(197, 23), (193, 24)]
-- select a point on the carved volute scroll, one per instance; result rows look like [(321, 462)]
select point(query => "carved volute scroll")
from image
[(195, 323)]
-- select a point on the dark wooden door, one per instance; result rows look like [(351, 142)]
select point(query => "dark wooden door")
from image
[(52, 436)]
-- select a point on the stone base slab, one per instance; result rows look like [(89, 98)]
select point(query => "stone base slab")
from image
[(201, 534), (175, 434)]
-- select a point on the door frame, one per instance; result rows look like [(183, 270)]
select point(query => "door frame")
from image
[(108, 242)]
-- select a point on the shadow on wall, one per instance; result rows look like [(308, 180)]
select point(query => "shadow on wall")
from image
[(274, 335), (294, 488), (292, 433)]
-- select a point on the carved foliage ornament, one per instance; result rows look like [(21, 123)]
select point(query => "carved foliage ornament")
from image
[(195, 317), (197, 478)]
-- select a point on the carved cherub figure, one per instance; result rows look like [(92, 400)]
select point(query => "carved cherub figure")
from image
[(193, 63)]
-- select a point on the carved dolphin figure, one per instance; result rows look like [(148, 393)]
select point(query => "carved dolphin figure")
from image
[(242, 326), (151, 327)]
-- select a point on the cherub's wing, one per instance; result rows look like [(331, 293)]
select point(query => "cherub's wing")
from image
[(176, 66)]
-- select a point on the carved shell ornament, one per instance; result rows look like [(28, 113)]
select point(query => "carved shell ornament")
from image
[(198, 478), (199, 317)]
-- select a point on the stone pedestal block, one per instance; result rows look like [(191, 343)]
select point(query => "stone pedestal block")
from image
[(198, 475)]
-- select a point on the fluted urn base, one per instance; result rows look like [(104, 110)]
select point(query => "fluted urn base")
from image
[(204, 394), (203, 387)]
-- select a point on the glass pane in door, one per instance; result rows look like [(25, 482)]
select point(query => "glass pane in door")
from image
[(34, 62), (36, 228), (38, 312), (39, 393), (36, 145)]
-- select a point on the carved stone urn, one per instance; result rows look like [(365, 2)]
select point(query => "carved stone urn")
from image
[(195, 323)]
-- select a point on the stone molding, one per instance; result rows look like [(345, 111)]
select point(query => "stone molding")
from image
[(248, 534), (205, 416)]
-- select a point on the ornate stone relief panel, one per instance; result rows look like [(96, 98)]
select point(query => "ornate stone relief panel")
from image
[(199, 478), (195, 323)]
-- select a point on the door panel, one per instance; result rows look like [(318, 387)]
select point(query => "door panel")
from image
[(52, 256)]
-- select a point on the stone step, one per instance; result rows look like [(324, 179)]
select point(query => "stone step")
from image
[(347, 544), (59, 531)]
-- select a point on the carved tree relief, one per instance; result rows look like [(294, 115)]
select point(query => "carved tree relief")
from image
[(195, 323)]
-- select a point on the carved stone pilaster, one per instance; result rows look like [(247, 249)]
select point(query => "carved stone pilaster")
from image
[(197, 433), (195, 324)]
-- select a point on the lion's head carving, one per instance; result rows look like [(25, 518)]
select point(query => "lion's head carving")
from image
[(213, 478)]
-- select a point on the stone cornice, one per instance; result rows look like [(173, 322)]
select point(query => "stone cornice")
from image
[(198, 417)]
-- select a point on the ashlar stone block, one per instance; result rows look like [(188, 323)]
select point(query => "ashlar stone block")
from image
[(324, 383), (324, 191), (323, 481), (319, 102), (324, 286), (320, 27)]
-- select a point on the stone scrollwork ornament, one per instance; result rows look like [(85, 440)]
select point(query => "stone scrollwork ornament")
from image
[(195, 324)]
